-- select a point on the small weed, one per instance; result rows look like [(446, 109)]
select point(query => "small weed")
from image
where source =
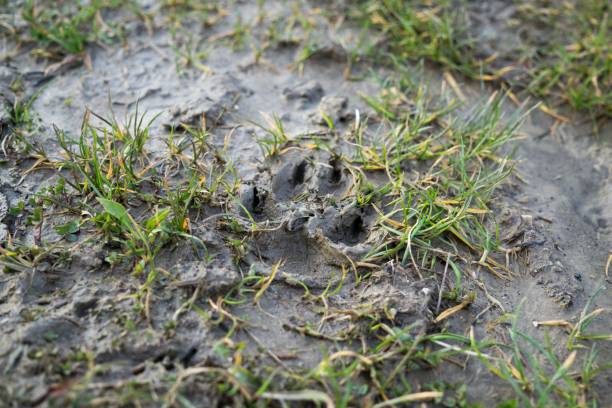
[(275, 138), (188, 51), (23, 125), (20, 258)]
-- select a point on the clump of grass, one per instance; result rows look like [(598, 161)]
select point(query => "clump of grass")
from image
[(136, 237), (461, 167), (16, 257), (67, 27), (189, 52), (577, 69), (539, 374), (109, 160), (573, 67), (275, 136), (108, 169), (22, 125), (180, 12), (432, 30)]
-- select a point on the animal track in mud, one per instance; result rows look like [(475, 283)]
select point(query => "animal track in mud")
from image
[(303, 174), (299, 173), (254, 200), (320, 229), (305, 93), (331, 177), (335, 173), (348, 226), (289, 181)]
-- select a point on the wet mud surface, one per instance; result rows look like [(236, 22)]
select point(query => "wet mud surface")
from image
[(74, 311)]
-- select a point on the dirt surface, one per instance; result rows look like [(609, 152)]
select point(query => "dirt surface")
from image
[(72, 319)]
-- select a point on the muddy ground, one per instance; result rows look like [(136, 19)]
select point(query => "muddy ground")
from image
[(71, 326)]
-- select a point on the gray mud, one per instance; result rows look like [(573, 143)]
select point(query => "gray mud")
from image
[(74, 311)]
